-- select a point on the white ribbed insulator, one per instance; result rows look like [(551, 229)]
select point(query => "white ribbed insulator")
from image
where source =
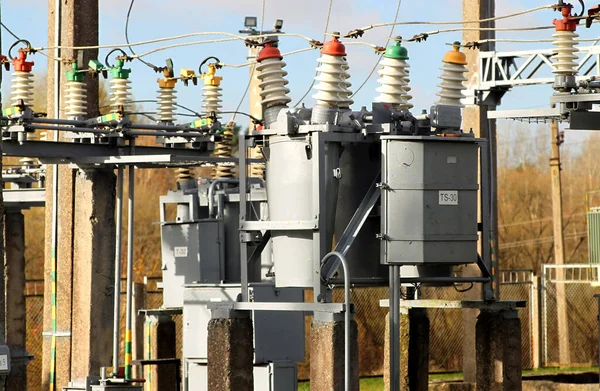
[(564, 60), (333, 84), (273, 90), (211, 100), (76, 101), (407, 96), (224, 148), (166, 104), (120, 94), (392, 83), (22, 88), (452, 85)]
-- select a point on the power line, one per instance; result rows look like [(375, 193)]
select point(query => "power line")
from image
[(154, 67)]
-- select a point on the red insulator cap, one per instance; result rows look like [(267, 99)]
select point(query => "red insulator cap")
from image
[(269, 51), (334, 48), (568, 23), (20, 64)]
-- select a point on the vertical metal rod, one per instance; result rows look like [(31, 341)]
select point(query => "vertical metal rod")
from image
[(544, 315), (598, 297), (118, 242), (394, 328), (128, 314), (485, 195), (54, 235), (243, 215)]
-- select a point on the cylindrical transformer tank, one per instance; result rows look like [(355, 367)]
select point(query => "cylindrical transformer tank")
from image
[(429, 200), (290, 198)]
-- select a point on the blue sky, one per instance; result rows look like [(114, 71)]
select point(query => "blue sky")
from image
[(158, 18)]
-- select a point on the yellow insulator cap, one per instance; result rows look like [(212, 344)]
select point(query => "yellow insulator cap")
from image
[(455, 56), (209, 77)]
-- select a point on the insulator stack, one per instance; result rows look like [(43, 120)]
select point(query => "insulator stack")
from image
[(120, 87), (167, 98), (224, 148), (273, 90), (564, 60), (211, 92), (76, 101), (184, 174), (393, 81), (22, 87), (452, 86), (211, 100), (26, 162), (333, 88), (565, 40), (120, 94)]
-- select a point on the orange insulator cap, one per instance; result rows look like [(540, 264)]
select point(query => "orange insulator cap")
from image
[(268, 51), (334, 47), (455, 56), (20, 64), (568, 23)]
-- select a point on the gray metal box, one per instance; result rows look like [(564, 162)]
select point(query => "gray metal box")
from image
[(429, 200), (278, 336), (191, 252), (277, 376)]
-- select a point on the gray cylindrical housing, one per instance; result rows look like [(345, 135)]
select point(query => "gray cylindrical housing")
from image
[(290, 198)]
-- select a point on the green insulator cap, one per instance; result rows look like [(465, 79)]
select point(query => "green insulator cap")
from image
[(118, 72), (75, 74), (396, 51)]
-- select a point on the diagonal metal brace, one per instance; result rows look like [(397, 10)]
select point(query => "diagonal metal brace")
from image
[(353, 228)]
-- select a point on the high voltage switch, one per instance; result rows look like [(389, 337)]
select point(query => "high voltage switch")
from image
[(394, 77), (166, 98), (120, 87), (76, 101), (452, 78), (22, 83), (333, 88)]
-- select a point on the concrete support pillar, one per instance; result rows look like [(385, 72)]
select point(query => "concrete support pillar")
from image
[(414, 351), (475, 118), (230, 352), (498, 354), (161, 335), (14, 243), (85, 247), (327, 353)]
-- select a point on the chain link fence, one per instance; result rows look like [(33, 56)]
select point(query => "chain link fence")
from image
[(568, 297), (34, 307)]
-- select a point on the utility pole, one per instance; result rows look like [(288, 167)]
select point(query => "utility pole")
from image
[(475, 118), (76, 341), (250, 23), (559, 248)]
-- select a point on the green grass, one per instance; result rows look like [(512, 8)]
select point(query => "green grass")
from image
[(366, 384)]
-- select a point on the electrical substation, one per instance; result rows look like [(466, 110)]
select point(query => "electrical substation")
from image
[(309, 199)]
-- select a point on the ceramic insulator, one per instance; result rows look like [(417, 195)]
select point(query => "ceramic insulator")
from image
[(333, 85), (407, 96), (211, 100), (273, 83), (22, 88), (224, 148), (564, 59), (392, 83), (76, 101), (452, 85), (166, 104), (120, 94)]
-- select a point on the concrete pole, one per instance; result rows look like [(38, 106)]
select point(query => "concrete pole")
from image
[(475, 118), (14, 243), (559, 248), (85, 205)]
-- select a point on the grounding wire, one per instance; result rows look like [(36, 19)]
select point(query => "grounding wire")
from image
[(316, 72), (381, 55)]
